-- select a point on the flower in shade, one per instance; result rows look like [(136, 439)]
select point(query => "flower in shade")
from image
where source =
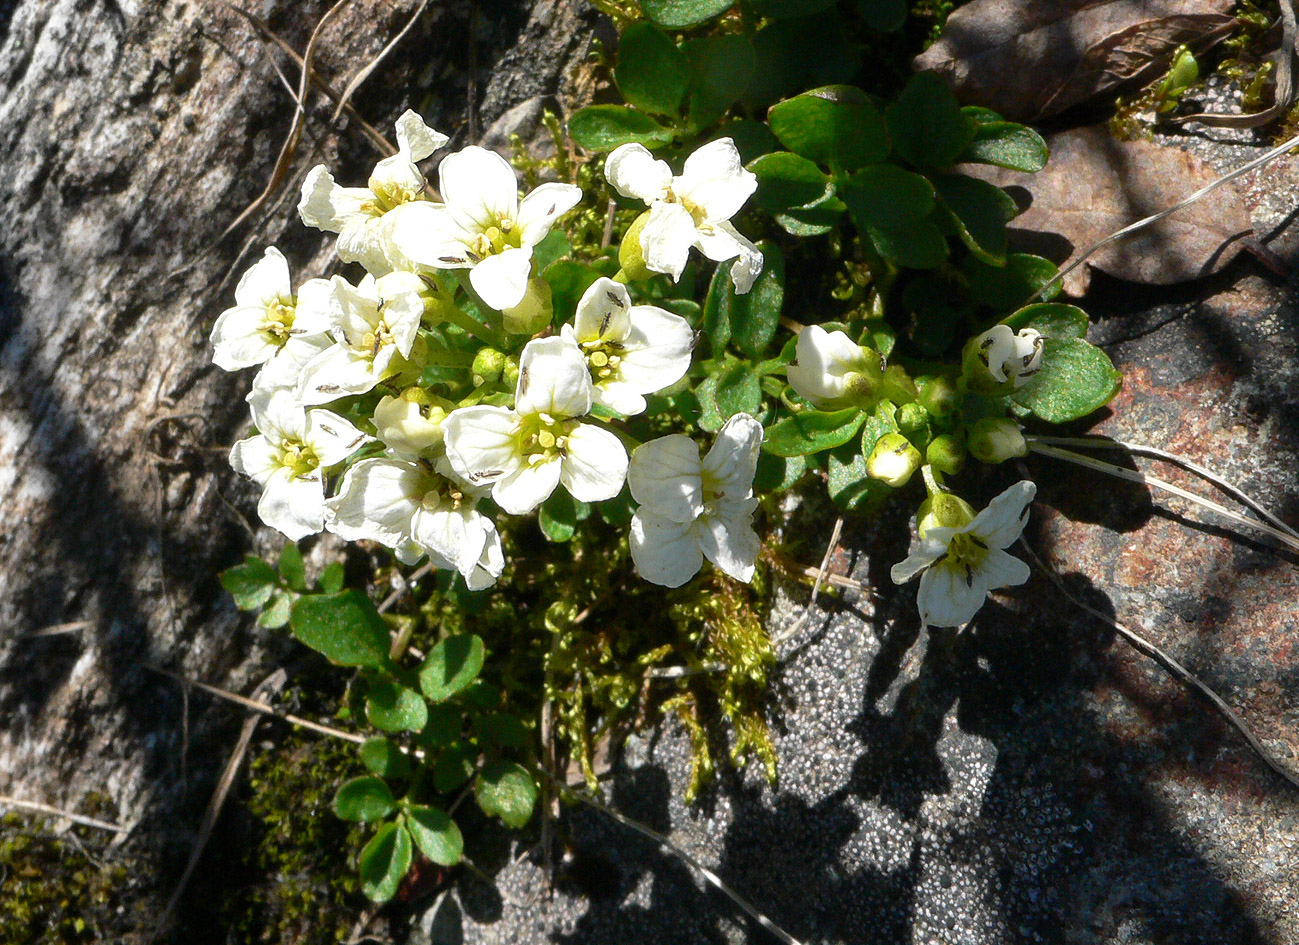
[(483, 226), (1002, 359), (287, 458), (361, 215), (524, 453), (267, 320), (693, 508), (959, 565), (631, 350), (693, 209)]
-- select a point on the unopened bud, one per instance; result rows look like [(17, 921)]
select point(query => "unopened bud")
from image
[(946, 454), (894, 460), (938, 395), (912, 417), (488, 364), (533, 313), (997, 439), (510, 373), (407, 426), (1000, 360), (631, 257), (942, 509), (861, 389)]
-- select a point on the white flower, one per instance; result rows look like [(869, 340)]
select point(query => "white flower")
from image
[(962, 564), (287, 458), (414, 510), (693, 209), (528, 451), (631, 350), (266, 318), (409, 430), (483, 226), (1010, 356), (826, 367), (361, 215), (692, 509), (375, 325)]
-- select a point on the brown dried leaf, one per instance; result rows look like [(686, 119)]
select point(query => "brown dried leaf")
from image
[(1095, 184), (1029, 59)]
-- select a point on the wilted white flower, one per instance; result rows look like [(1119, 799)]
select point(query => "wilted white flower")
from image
[(632, 350), (1007, 356), (361, 215), (691, 509), (266, 319), (830, 370), (483, 226), (694, 209), (962, 564), (287, 458), (375, 326), (526, 452), (409, 430), (416, 510)]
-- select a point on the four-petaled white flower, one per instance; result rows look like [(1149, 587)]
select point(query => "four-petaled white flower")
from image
[(962, 564), (267, 320), (632, 350), (827, 367), (483, 226), (375, 325), (416, 510), (1009, 355), (691, 509), (363, 216), (526, 452), (694, 209), (287, 458)]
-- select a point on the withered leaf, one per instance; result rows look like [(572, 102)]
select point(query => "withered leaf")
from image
[(1030, 59), (1095, 184)]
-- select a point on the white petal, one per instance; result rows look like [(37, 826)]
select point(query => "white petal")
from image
[(255, 457), (266, 281), (666, 238), (402, 307), (603, 312), (1003, 570), (331, 437), (427, 234), (363, 241), (727, 539), (665, 478), (748, 265), (456, 534), (664, 552), (1005, 517), (596, 465), (996, 347), (502, 279), (238, 341), (633, 172), (376, 501), (479, 186), (949, 596), (821, 361), (541, 208), (336, 372), (295, 507), (396, 175), (490, 564), (930, 550), (553, 379), (280, 416), (482, 442), (715, 179), (416, 139), (314, 304), (327, 206), (729, 467), (526, 487), (658, 348)]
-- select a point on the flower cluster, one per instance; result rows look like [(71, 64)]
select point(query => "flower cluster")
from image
[(407, 407)]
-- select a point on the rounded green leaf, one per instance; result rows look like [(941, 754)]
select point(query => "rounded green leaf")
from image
[(755, 315), (277, 612), (680, 14), (383, 758), (346, 628), (291, 567), (752, 138), (800, 53), (507, 791), (980, 212), (384, 862), (365, 799), (722, 67), (837, 126), (1004, 143), (786, 180), (451, 666), (811, 431), (652, 73), (331, 579), (436, 835), (251, 583), (395, 708), (444, 725), (738, 391), (927, 125), (820, 216), (454, 767), (605, 127), (886, 197), (558, 516), (1004, 287), (1051, 319), (1076, 379)]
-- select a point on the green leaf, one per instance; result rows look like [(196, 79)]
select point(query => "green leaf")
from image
[(1004, 143), (384, 862), (652, 73), (365, 799), (445, 723), (786, 180), (277, 612), (506, 790), (814, 219), (1003, 287), (920, 245), (552, 248), (710, 415), (893, 207), (755, 315), (811, 431), (784, 9), (778, 473), (502, 729), (1076, 379), (885, 16), (927, 125), (752, 138), (436, 835), (722, 68), (454, 767), (451, 666), (850, 488), (291, 567), (558, 516), (251, 583), (1051, 319), (802, 53), (382, 757), (395, 708), (605, 127), (568, 279), (680, 14), (837, 126), (331, 579), (345, 627), (738, 391), (717, 311), (980, 212)]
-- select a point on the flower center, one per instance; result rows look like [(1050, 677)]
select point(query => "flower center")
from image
[(604, 358), (965, 554), (387, 196), (696, 212), (298, 458), (279, 322), (542, 438), (373, 341), (497, 238)]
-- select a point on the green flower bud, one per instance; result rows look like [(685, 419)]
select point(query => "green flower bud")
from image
[(997, 439), (533, 313), (630, 255), (488, 364), (861, 388), (945, 510), (510, 374), (894, 460), (939, 395), (946, 453), (912, 417)]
